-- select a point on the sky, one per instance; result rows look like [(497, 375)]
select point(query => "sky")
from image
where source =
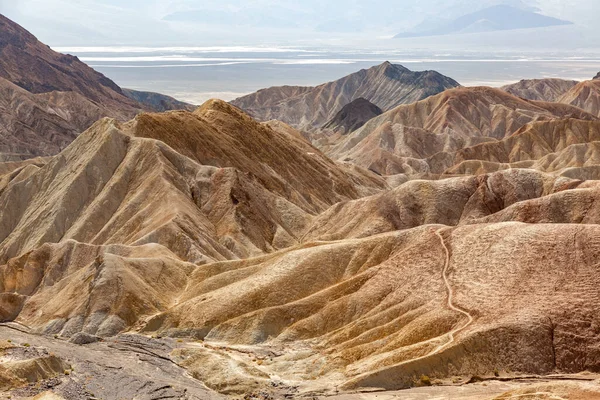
[(278, 22)]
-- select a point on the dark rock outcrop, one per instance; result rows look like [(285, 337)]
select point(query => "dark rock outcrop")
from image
[(353, 116)]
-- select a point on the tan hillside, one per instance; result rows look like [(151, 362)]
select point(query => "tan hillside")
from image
[(585, 95), (562, 146), (421, 138), (41, 124), (548, 89), (224, 195), (452, 242), (210, 225)]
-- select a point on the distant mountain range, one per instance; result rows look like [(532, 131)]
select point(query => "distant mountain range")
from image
[(387, 86), (156, 101), (495, 18)]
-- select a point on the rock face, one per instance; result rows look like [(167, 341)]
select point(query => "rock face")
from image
[(597, 76), (352, 116), (156, 101), (386, 85), (540, 89)]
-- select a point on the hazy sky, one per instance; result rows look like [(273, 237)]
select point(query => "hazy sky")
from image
[(218, 22)]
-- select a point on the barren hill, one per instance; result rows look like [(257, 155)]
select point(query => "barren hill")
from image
[(352, 116), (49, 71), (540, 89), (300, 274), (156, 101), (585, 95), (386, 85), (203, 254), (421, 137), (46, 104)]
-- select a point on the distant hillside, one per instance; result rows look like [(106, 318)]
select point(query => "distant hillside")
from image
[(540, 89), (157, 102), (496, 18), (309, 108)]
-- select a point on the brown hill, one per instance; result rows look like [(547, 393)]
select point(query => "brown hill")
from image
[(55, 97), (284, 273), (156, 101), (386, 85), (223, 186), (49, 71), (536, 140), (352, 116), (540, 89), (420, 138), (585, 95)]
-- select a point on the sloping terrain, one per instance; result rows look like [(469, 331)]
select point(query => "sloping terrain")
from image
[(585, 95), (352, 116), (548, 89), (386, 85), (49, 71), (156, 101), (45, 105), (453, 238), (421, 138), (285, 272)]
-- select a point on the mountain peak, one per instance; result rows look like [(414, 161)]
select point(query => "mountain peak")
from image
[(309, 108), (391, 70)]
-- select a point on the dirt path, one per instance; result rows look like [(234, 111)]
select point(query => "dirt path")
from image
[(451, 295)]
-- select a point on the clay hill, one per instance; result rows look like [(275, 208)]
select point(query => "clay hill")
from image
[(309, 108), (210, 243), (421, 138), (548, 89), (585, 95), (156, 101), (47, 104), (446, 248), (352, 116)]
